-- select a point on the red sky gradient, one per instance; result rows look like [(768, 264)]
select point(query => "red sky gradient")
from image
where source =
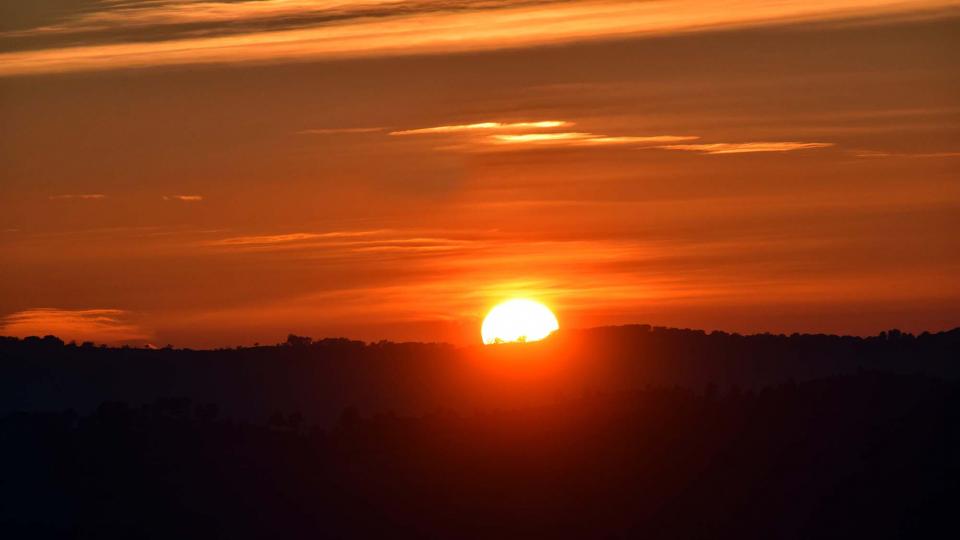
[(393, 169)]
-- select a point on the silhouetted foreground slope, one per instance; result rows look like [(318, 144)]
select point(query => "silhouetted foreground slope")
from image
[(538, 441), (319, 379)]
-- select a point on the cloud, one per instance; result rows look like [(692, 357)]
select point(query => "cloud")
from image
[(409, 245), (168, 19), (483, 126), (183, 198), (878, 154), (541, 137), (586, 139), (117, 35), (79, 196), (275, 239), (338, 131), (347, 244), (528, 134), (748, 147), (98, 325)]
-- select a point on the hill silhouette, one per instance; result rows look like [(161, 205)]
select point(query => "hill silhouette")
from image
[(605, 433), (320, 378)]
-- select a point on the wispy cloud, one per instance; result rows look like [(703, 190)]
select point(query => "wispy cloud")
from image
[(880, 154), (79, 196), (476, 136), (586, 139), (541, 137), (747, 147), (346, 244), (185, 17), (339, 131), (287, 238), (183, 198), (484, 126), (99, 325), (111, 35)]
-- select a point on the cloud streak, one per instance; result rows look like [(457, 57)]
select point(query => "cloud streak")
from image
[(481, 136), (919, 155), (585, 139), (747, 147), (183, 198), (116, 36), (339, 131), (78, 196), (484, 126), (99, 325), (269, 240)]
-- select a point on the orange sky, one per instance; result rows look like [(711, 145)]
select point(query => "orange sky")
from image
[(393, 169)]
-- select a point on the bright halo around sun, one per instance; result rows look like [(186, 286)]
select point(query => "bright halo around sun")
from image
[(518, 320)]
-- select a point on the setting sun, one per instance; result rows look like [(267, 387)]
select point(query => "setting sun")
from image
[(518, 320)]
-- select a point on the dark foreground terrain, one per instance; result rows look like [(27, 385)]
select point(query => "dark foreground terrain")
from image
[(613, 433)]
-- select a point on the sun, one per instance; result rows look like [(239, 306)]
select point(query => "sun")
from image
[(518, 320)]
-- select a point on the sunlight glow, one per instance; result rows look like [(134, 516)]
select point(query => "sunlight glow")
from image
[(518, 320)]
